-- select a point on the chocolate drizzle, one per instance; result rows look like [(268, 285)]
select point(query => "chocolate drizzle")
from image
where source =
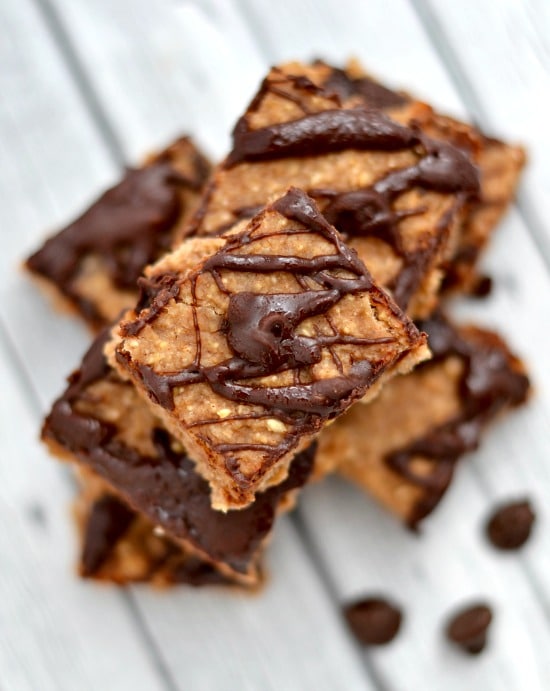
[(319, 133), (375, 95), (369, 211), (488, 383), (165, 486), (128, 227), (154, 294), (261, 332)]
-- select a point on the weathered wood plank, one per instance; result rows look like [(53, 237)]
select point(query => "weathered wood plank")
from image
[(499, 56), (451, 562), (56, 632), (44, 130), (293, 619), (211, 56)]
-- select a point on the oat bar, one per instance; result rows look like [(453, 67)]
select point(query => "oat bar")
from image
[(403, 447), (121, 546), (102, 424), (397, 192), (94, 263), (246, 354), (500, 165)]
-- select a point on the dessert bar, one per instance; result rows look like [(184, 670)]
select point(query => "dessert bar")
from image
[(247, 352), (403, 447), (94, 263), (121, 546), (103, 425), (396, 191)]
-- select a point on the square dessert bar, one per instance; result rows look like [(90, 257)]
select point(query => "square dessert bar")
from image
[(94, 263), (121, 546), (403, 447), (500, 165), (384, 178), (102, 424), (248, 343)]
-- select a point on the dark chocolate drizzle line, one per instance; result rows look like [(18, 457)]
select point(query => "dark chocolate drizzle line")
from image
[(487, 384), (375, 95), (165, 487), (320, 133), (299, 83), (261, 331), (128, 227), (154, 294), (369, 211)]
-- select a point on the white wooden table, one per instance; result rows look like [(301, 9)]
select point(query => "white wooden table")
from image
[(86, 85)]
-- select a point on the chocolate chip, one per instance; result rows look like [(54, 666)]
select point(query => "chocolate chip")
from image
[(483, 287), (510, 525), (468, 628), (373, 621)]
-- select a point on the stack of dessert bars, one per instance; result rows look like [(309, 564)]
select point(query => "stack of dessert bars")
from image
[(276, 318)]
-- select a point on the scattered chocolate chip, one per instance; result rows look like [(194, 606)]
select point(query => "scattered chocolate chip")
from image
[(510, 525), (483, 287), (468, 628), (373, 621)]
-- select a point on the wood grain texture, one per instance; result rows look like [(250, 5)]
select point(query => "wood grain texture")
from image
[(498, 53), (288, 636), (56, 632), (190, 629), (191, 66), (44, 127), (517, 289)]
